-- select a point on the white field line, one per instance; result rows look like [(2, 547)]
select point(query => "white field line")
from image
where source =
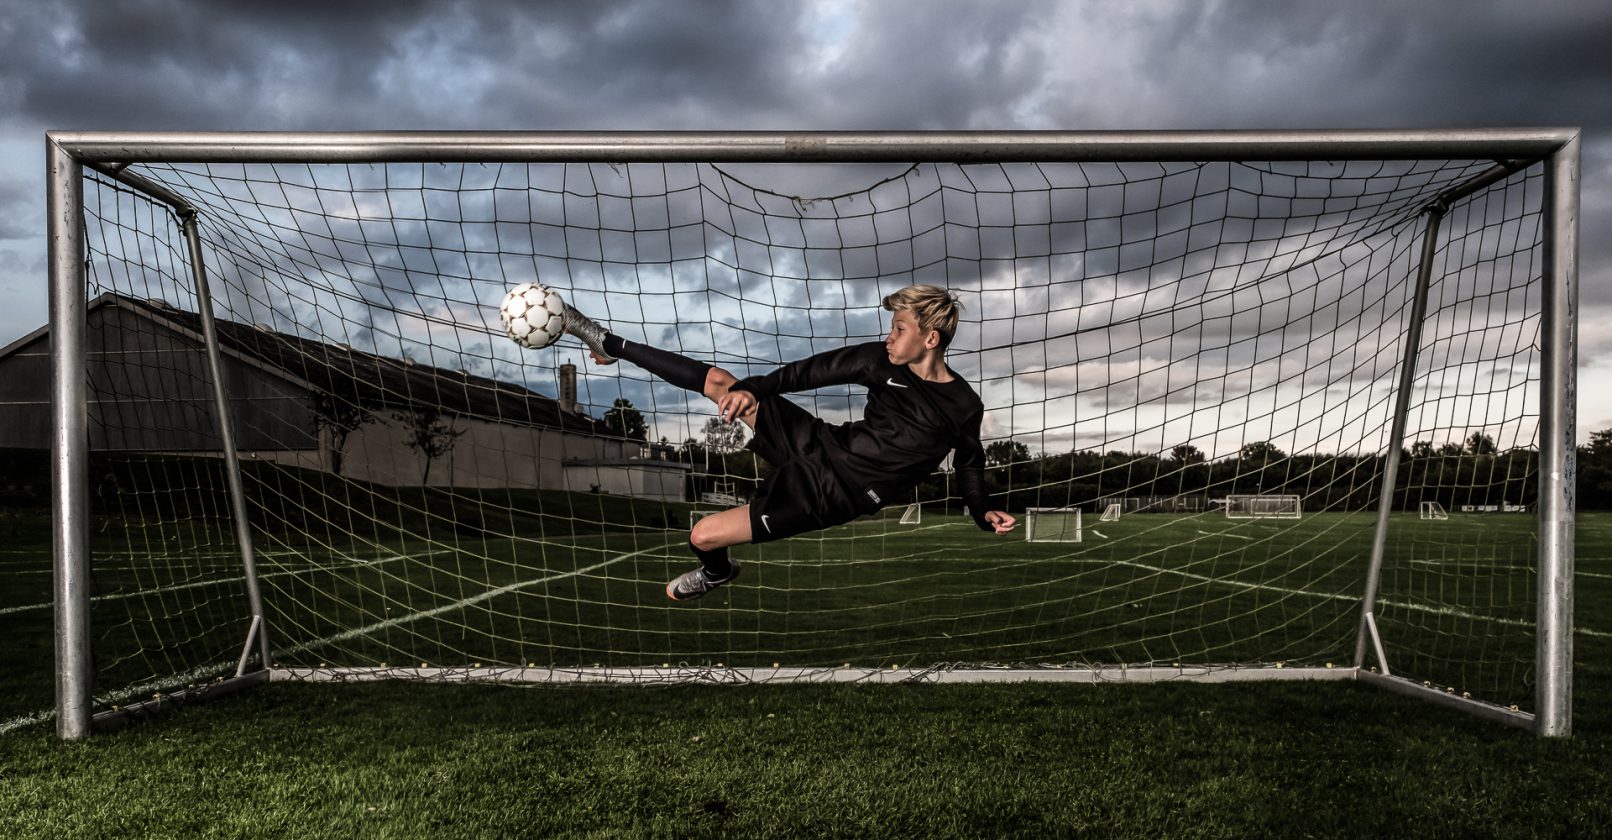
[(1099, 533), (126, 555), (1451, 611), (1458, 565), (1225, 534), (118, 596), (194, 676), (474, 599), (185, 679), (27, 720), (202, 673)]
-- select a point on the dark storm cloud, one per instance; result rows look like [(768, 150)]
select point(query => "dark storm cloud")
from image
[(747, 64), (17, 201), (416, 64), (920, 65), (1229, 65)]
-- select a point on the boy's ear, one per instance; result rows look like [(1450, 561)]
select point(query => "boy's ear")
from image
[(932, 339)]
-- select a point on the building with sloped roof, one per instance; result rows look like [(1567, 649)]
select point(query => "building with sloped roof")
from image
[(322, 406)]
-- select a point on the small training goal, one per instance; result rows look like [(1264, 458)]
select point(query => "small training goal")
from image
[(1275, 506)]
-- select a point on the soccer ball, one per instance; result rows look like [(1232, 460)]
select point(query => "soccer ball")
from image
[(534, 315)]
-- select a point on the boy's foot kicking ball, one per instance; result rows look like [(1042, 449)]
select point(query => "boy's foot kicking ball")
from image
[(589, 331)]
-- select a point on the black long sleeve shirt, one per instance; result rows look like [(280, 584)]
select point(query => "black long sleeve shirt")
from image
[(905, 432)]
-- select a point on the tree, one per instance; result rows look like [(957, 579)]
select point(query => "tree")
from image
[(1599, 448), (1479, 443), (429, 435), (624, 420), (1186, 453), (1006, 452), (1422, 449), (723, 438), (1260, 450), (342, 418), (1595, 471)]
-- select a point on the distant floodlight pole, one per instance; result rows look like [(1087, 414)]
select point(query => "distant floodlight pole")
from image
[(70, 526)]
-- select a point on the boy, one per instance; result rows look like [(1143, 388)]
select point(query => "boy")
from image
[(918, 410)]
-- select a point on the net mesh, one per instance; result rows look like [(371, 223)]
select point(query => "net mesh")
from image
[(423, 492)]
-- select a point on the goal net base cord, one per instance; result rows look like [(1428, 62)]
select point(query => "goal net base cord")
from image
[(1447, 697), (122, 716), (719, 675)]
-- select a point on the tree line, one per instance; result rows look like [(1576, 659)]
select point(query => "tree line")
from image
[(1453, 474)]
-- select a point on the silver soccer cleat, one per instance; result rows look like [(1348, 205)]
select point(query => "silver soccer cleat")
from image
[(691, 585), (588, 330)]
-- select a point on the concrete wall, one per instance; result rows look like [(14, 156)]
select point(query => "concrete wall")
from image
[(660, 480), (487, 454)]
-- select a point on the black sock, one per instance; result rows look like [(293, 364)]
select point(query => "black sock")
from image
[(681, 371), (715, 562)]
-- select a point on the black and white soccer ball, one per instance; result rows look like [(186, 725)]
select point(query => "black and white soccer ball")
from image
[(534, 315)]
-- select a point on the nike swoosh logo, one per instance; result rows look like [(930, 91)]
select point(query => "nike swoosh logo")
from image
[(765, 524), (894, 384)]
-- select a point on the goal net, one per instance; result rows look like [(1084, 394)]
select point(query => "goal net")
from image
[(1277, 506), (423, 498)]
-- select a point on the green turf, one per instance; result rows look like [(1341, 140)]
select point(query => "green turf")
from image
[(416, 760)]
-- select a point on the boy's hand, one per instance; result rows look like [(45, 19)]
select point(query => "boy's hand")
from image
[(599, 361), (735, 404), (1001, 521)]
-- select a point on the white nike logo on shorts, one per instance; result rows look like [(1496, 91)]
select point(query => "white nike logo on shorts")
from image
[(764, 523), (894, 384)]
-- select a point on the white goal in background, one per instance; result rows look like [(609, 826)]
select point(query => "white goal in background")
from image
[(1433, 510), (1273, 506), (913, 515), (1052, 524), (1112, 512), (1297, 307)]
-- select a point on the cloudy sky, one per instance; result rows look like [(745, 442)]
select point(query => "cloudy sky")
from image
[(833, 65)]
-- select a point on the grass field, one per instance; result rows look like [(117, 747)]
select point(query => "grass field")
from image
[(397, 759)]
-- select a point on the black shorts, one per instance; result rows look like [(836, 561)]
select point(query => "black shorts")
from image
[(803, 493)]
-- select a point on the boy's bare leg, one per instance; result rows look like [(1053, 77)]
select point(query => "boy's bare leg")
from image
[(710, 540), (722, 530)]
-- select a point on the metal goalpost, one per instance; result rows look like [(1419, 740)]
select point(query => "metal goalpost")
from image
[(70, 153)]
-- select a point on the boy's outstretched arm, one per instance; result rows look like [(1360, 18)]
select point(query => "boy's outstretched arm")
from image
[(970, 464)]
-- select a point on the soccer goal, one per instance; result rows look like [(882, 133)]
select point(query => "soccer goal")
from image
[(1112, 512), (913, 515), (694, 516), (293, 436), (1433, 510), (1274, 506), (1052, 525)]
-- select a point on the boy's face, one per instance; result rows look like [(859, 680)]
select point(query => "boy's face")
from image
[(907, 341)]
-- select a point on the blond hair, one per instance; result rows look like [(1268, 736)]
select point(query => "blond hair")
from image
[(934, 308)]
